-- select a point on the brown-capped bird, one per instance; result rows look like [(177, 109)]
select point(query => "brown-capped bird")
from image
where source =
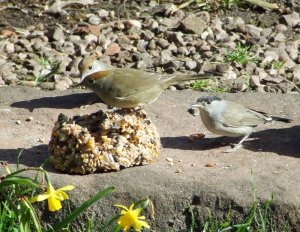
[(126, 87)]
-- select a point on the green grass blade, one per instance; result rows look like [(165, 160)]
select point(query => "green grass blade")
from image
[(58, 226), (193, 220), (34, 217), (18, 158), (19, 180)]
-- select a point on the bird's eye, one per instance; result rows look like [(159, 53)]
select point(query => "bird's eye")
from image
[(91, 81), (90, 67)]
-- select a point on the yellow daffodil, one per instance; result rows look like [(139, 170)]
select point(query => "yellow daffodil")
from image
[(54, 197), (130, 217)]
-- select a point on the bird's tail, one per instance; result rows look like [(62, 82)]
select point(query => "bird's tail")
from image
[(280, 119), (178, 78), (269, 118)]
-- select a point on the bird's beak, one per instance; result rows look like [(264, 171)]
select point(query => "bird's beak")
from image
[(197, 105)]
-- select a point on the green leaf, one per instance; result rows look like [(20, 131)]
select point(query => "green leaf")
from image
[(35, 220), (18, 180), (58, 226)]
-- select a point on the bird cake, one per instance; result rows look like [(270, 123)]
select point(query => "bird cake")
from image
[(103, 141)]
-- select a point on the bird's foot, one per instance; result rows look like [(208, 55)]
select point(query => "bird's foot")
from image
[(234, 148)]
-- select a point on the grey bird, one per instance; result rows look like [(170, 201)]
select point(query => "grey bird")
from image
[(231, 119)]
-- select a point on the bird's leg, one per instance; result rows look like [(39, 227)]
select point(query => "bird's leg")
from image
[(237, 146)]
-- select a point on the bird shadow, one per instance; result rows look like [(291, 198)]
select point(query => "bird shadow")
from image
[(284, 141), (70, 101)]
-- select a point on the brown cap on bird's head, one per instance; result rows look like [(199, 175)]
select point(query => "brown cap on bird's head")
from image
[(85, 63), (91, 65)]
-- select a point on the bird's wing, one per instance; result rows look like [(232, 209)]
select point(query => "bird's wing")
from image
[(133, 80), (237, 115)]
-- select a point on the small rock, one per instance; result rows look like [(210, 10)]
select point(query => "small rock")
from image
[(204, 15), (255, 81), (133, 23), (153, 25), (18, 122), (172, 88), (152, 45), (252, 30), (230, 75), (41, 140), (280, 37), (62, 85), (182, 50), (296, 73), (7, 32), (147, 35), (9, 47), (210, 165), (175, 37), (47, 85), (103, 13), (37, 44), (250, 67), (29, 119), (170, 9), (170, 23), (163, 43), (223, 67), (112, 49), (194, 24), (57, 34), (90, 38), (178, 170), (266, 32), (281, 28), (94, 20), (169, 159), (292, 48), (141, 45), (190, 64), (166, 56), (141, 65), (292, 19)]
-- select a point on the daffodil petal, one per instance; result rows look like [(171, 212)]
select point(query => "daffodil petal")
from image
[(40, 197), (66, 188), (139, 224), (122, 207), (54, 204), (62, 194), (137, 211)]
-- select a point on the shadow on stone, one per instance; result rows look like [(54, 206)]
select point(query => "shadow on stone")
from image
[(71, 101), (31, 157), (280, 141)]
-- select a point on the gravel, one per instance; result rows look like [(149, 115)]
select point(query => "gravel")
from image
[(159, 38)]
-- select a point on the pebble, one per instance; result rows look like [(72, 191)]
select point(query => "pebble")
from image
[(194, 24), (103, 13), (18, 122), (172, 40), (41, 140), (29, 119), (57, 34), (169, 159), (94, 20)]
